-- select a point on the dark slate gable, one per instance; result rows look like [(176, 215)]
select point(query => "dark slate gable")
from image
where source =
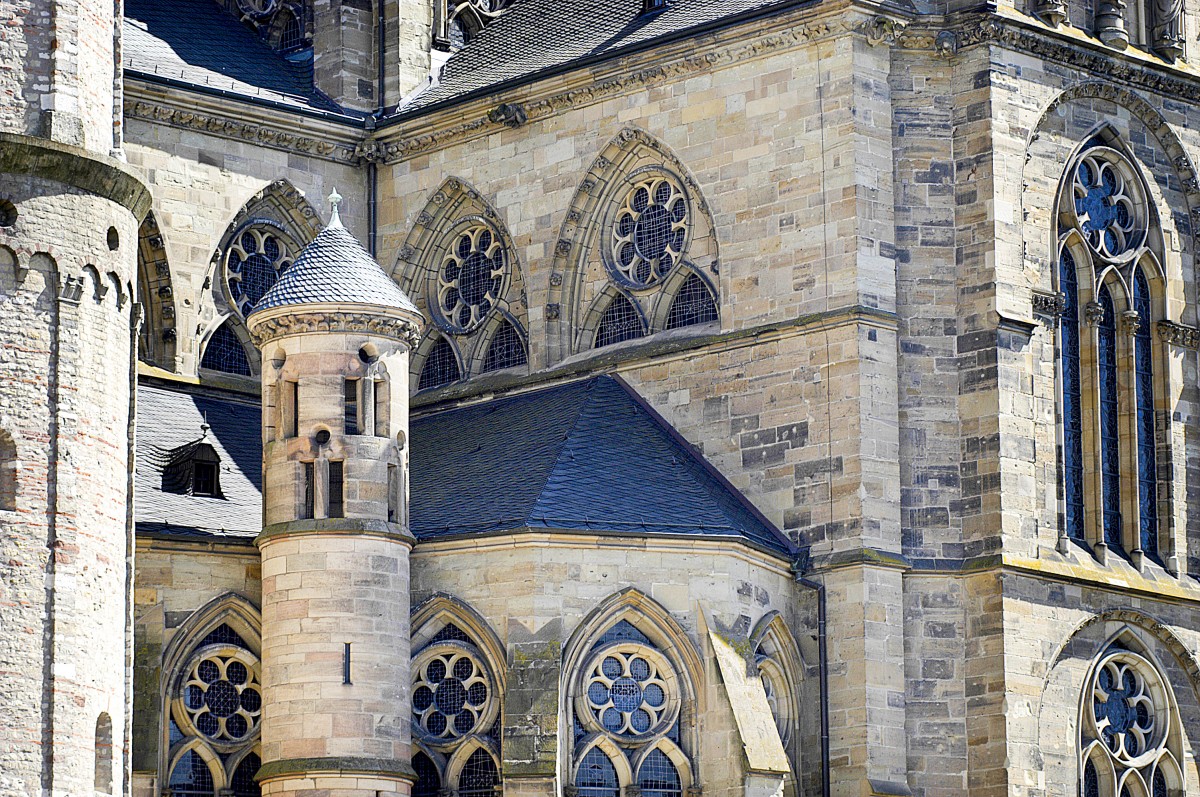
[(196, 42), (588, 456)]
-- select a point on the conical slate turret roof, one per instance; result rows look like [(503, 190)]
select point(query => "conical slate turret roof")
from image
[(335, 269)]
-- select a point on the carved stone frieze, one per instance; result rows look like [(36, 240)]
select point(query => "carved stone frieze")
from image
[(882, 30), (1179, 334), (266, 330), (241, 130)]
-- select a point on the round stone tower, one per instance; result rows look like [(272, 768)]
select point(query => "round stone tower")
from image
[(335, 333), (69, 215)]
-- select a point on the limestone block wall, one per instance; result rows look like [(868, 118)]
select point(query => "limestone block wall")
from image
[(199, 182), (66, 270)]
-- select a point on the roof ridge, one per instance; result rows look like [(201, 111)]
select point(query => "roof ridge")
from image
[(729, 490), (590, 385)]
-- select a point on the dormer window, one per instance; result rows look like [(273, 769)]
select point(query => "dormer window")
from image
[(192, 469)]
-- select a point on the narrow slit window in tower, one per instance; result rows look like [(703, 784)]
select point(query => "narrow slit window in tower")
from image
[(393, 490), (336, 490), (309, 490), (351, 405), (381, 408)]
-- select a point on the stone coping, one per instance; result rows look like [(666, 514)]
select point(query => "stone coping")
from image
[(340, 765), (87, 171), (332, 527)]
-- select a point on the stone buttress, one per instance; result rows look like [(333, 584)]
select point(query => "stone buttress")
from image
[(335, 333)]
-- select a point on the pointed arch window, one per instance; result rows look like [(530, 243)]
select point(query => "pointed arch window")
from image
[(441, 366), (627, 700), (694, 304), (214, 710), (1106, 371), (506, 350), (225, 353), (456, 700), (621, 321)]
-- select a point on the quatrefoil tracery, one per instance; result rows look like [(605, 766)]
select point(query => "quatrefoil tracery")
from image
[(1108, 203)]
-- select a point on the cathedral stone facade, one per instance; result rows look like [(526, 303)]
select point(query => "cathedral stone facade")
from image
[(559, 398)]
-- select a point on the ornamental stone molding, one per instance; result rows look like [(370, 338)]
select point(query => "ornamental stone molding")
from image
[(229, 127), (1049, 304), (1179, 334), (265, 330)]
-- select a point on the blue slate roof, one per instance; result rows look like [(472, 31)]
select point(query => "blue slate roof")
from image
[(589, 456), (335, 267), (197, 42)]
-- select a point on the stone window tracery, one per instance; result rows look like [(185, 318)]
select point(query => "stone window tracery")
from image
[(472, 278), (253, 264), (649, 233), (215, 708), (226, 353), (1129, 736), (1106, 374), (455, 710), (627, 704)]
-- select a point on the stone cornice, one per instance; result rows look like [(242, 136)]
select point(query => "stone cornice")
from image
[(1179, 334), (266, 328), (85, 170), (229, 118)]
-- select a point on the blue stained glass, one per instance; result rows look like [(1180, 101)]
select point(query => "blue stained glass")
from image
[(1110, 464), (1096, 208), (597, 777), (1091, 782), (1144, 385), (658, 776), (1072, 420)]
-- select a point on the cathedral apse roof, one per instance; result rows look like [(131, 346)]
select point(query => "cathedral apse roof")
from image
[(589, 456), (197, 43)]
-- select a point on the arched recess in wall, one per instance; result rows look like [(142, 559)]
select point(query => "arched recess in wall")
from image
[(781, 668), (258, 245), (157, 339), (9, 471), (217, 647), (637, 221), (617, 742), (1173, 189), (459, 265), (1156, 706)]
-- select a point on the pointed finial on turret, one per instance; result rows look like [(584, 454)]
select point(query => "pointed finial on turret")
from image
[(204, 427), (335, 199)]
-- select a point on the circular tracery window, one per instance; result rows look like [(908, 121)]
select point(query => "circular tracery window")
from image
[(256, 259), (472, 278), (1108, 203), (649, 232), (220, 695), (453, 694), (629, 690), (1128, 714)]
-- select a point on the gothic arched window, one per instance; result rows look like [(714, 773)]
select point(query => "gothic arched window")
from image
[(214, 708), (456, 700), (1129, 731), (627, 700), (226, 353), (621, 321), (1107, 275), (440, 367)]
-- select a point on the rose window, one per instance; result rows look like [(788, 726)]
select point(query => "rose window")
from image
[(255, 260), (629, 691), (452, 692), (1124, 711), (650, 231), (472, 278), (221, 695), (1106, 206)]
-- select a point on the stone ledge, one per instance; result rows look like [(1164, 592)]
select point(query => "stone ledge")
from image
[(87, 171), (340, 765), (326, 527)]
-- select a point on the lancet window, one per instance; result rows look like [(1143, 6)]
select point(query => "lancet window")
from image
[(1110, 283)]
